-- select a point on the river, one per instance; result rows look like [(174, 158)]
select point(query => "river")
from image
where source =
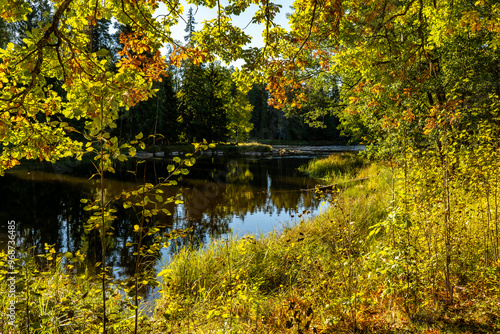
[(221, 195)]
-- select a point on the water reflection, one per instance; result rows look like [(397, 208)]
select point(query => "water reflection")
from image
[(219, 194)]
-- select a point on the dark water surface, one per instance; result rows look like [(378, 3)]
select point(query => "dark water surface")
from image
[(220, 194)]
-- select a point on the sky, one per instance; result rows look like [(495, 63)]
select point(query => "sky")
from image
[(201, 14)]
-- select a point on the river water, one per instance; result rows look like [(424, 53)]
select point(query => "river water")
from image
[(220, 194)]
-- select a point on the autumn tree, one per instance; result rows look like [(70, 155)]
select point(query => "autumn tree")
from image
[(418, 80)]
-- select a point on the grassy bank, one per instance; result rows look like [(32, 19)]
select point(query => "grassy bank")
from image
[(348, 270), (244, 148), (358, 267), (336, 167), (301, 280)]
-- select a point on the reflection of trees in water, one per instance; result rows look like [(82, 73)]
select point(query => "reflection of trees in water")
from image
[(47, 206), (221, 189), (48, 210), (44, 212)]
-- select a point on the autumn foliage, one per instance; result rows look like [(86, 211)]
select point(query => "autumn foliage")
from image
[(418, 83)]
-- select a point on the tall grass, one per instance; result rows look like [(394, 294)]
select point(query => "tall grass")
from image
[(292, 281), (336, 273), (335, 168), (53, 297), (340, 272)]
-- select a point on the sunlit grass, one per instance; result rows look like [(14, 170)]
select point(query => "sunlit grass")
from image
[(273, 283), (327, 274), (54, 298), (254, 147), (335, 168)]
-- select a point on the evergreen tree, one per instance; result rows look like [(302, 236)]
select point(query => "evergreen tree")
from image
[(217, 96), (191, 102), (168, 113), (203, 101), (100, 38), (189, 26), (269, 122), (5, 35), (40, 15), (258, 99)]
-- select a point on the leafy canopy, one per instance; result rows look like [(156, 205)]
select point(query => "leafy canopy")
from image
[(409, 66)]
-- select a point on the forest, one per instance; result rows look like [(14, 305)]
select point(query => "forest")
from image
[(193, 101), (410, 242)]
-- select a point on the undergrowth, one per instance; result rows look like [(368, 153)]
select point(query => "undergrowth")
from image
[(358, 267), (335, 273)]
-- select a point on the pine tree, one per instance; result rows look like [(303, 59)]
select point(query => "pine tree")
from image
[(168, 124), (217, 95), (40, 15), (191, 102), (100, 38), (5, 35), (189, 26)]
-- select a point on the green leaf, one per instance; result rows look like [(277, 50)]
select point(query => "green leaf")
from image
[(102, 53)]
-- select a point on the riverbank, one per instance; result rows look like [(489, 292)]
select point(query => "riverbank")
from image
[(299, 280), (335, 273), (343, 271)]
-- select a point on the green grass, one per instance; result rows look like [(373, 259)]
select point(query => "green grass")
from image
[(54, 298), (254, 147), (329, 274), (335, 168), (261, 283), (334, 273), (243, 148)]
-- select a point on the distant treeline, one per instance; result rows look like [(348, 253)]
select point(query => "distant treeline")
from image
[(194, 101)]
